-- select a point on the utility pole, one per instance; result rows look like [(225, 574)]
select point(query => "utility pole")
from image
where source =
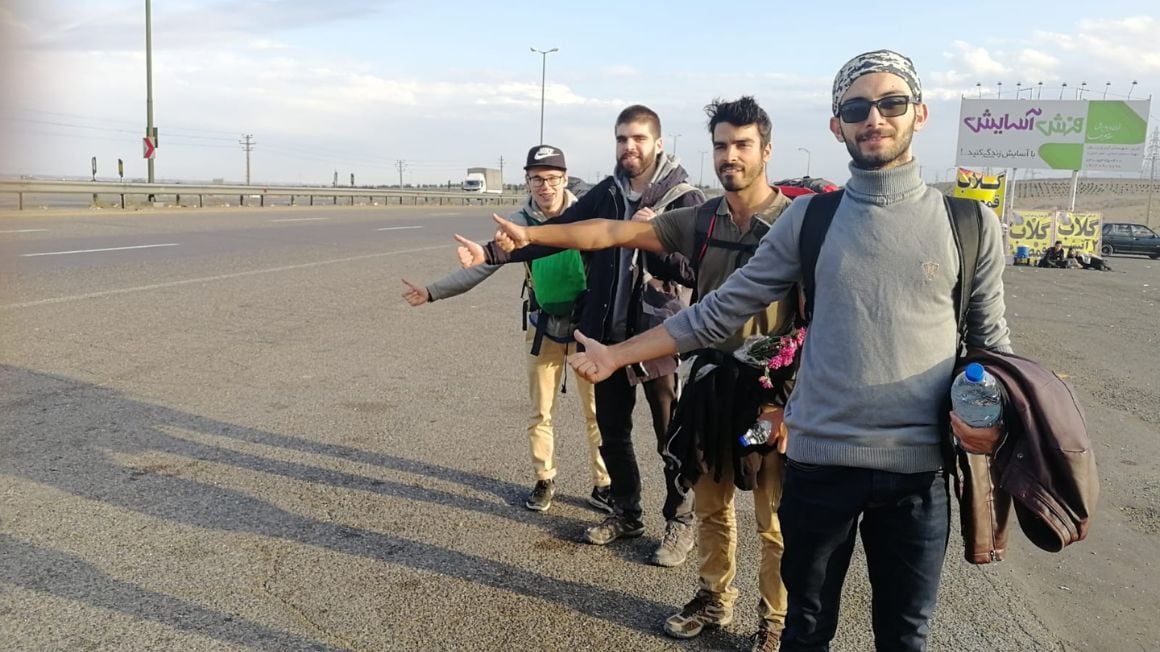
[(150, 130), (501, 172), (401, 165), (247, 143), (1153, 154), (701, 179)]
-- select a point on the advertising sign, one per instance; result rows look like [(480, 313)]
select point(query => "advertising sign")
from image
[(991, 189), (1095, 135)]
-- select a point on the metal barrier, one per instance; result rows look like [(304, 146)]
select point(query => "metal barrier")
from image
[(260, 193)]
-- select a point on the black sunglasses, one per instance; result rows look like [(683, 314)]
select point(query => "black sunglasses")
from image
[(858, 109)]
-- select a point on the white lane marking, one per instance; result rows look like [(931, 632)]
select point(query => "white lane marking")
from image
[(25, 231), (398, 228), (219, 277), (93, 251), (299, 219)]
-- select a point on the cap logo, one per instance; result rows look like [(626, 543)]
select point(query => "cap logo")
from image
[(543, 153)]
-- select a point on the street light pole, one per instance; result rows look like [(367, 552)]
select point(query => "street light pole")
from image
[(808, 157), (675, 137), (149, 81), (701, 180), (1130, 89), (543, 81)]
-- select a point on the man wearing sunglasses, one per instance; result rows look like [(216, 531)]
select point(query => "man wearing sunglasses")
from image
[(866, 415), (547, 177)]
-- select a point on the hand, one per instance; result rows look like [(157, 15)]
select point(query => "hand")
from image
[(510, 236), (470, 253), (415, 295), (645, 214), (596, 363), (779, 435), (980, 441)]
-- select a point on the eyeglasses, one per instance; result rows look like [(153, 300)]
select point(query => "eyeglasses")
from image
[(858, 109), (553, 181)]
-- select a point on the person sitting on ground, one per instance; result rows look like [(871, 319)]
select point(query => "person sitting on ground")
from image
[(1084, 260), (1054, 257)]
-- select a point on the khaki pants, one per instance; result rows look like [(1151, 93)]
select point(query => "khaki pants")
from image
[(545, 372), (717, 537)]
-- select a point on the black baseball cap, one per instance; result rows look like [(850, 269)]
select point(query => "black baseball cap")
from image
[(546, 156)]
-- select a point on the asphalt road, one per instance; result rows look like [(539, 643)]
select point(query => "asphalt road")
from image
[(225, 430)]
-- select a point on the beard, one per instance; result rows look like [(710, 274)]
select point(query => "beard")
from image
[(883, 158), (633, 166), (740, 179)]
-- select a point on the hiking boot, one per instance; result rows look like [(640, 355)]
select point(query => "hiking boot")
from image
[(675, 544), (601, 498), (541, 497), (767, 639), (704, 611), (612, 528)]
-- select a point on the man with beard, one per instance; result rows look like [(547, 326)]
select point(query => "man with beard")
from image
[(626, 295), (731, 227), (866, 416)]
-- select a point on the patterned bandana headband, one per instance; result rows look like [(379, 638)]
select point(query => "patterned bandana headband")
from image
[(877, 61)]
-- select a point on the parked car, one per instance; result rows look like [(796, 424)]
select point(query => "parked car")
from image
[(1124, 238)]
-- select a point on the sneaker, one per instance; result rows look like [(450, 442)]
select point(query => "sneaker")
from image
[(541, 497), (601, 498), (704, 612), (675, 544), (612, 528), (767, 639)]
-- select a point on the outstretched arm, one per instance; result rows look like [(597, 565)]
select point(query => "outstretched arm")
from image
[(587, 235), (598, 361)]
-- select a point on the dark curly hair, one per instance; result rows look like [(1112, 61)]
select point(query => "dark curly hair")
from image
[(740, 113)]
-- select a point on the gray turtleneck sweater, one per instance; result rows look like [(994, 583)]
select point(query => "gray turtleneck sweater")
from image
[(881, 348)]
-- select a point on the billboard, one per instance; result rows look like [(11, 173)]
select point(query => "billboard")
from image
[(1037, 230), (991, 189), (1094, 135)]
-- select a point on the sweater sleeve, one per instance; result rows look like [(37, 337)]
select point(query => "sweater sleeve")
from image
[(986, 316), (766, 278), (460, 281), (585, 208)]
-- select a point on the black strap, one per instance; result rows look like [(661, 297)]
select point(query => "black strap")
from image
[(967, 226), (703, 229), (819, 213)]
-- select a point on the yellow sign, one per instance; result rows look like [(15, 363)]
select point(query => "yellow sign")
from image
[(1079, 230), (1032, 229), (989, 189)]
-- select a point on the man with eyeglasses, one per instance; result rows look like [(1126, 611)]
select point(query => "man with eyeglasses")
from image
[(547, 177), (630, 291), (867, 413)]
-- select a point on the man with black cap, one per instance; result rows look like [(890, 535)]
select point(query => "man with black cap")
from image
[(866, 417), (549, 335)]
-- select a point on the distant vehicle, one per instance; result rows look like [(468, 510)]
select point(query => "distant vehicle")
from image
[(1124, 238), (483, 180)]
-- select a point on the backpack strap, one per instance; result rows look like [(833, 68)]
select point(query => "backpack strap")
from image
[(819, 214), (967, 226), (703, 229)]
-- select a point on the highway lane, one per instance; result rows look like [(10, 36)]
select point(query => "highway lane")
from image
[(249, 441)]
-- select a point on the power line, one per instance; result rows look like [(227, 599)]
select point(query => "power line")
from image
[(402, 165), (247, 144)]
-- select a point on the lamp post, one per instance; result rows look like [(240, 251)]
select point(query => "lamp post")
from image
[(675, 137), (701, 179), (808, 157), (1062, 89), (979, 87), (1039, 94), (1130, 89), (1018, 89), (1082, 88), (1106, 86), (149, 131), (999, 93), (543, 80)]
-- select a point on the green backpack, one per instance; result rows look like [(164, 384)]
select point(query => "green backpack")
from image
[(557, 281)]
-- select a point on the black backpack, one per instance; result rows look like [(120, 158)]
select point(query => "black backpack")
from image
[(966, 226)]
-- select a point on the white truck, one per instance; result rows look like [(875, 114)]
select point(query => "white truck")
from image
[(484, 180)]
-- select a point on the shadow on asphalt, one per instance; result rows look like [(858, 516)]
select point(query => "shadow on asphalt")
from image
[(80, 464)]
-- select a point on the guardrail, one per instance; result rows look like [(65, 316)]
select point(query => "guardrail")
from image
[(258, 193)]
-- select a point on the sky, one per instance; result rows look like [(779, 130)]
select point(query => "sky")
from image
[(356, 86)]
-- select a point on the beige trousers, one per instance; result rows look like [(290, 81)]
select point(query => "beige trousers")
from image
[(545, 372), (717, 537)]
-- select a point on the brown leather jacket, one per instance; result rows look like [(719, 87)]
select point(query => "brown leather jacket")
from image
[(1046, 468)]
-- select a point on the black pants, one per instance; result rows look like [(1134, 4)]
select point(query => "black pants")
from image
[(615, 400), (905, 522)]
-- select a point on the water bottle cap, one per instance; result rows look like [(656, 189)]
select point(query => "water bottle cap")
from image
[(974, 372)]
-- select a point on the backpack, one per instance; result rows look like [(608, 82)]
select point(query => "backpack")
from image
[(558, 281), (966, 220)]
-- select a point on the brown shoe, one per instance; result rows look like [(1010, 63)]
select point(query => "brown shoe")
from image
[(767, 639), (704, 611)]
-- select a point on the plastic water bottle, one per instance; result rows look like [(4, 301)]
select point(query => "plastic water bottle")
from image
[(976, 397), (757, 434)]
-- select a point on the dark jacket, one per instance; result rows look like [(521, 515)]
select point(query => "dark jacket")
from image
[(606, 201), (1046, 464)]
